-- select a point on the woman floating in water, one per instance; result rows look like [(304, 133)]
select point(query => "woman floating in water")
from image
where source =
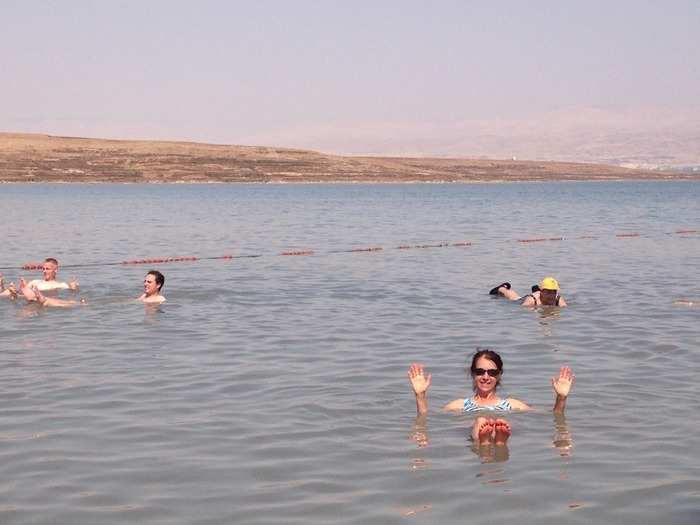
[(486, 371)]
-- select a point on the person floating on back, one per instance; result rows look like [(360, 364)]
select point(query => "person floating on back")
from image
[(33, 294), (486, 371), (544, 294), (33, 290), (49, 282)]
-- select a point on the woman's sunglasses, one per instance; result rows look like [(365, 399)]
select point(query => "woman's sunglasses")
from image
[(493, 372)]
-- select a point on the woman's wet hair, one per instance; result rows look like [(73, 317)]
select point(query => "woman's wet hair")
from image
[(488, 354), (491, 356), (160, 278)]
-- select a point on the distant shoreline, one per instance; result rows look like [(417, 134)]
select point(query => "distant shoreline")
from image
[(690, 179), (33, 158)]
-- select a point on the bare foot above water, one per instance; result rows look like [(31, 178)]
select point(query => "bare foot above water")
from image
[(502, 431), (485, 430)]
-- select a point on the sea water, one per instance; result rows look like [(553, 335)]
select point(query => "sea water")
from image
[(273, 389)]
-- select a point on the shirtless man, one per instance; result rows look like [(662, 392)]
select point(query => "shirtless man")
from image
[(544, 294), (9, 292), (49, 282), (152, 284)]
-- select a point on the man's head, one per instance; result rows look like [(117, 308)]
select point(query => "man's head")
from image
[(49, 269), (549, 291), (153, 282)]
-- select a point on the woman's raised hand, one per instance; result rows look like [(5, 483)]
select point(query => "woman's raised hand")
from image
[(419, 381), (562, 384)]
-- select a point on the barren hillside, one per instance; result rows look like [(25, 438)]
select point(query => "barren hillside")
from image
[(44, 158)]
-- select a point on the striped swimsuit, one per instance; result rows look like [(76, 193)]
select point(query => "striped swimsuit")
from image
[(503, 405)]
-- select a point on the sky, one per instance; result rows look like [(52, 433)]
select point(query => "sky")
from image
[(378, 77)]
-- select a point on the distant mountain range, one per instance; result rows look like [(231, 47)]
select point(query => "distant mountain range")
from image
[(650, 138), (44, 158)]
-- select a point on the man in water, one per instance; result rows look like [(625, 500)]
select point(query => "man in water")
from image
[(32, 293), (544, 294), (49, 282), (152, 284)]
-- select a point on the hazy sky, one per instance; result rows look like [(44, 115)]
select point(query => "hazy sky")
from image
[(298, 72)]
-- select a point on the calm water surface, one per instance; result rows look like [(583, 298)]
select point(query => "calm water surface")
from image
[(273, 389)]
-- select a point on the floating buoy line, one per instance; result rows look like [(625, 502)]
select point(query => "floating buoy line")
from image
[(301, 253)]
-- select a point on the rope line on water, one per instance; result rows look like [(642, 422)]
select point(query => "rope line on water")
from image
[(298, 253)]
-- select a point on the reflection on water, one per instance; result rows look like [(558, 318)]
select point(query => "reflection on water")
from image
[(491, 453), (419, 432), (563, 440), (548, 316), (273, 389)]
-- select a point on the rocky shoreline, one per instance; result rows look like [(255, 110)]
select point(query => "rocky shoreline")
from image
[(28, 158)]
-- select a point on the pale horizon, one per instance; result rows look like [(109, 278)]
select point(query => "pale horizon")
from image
[(585, 82)]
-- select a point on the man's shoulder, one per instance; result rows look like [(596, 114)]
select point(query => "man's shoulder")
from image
[(152, 300)]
